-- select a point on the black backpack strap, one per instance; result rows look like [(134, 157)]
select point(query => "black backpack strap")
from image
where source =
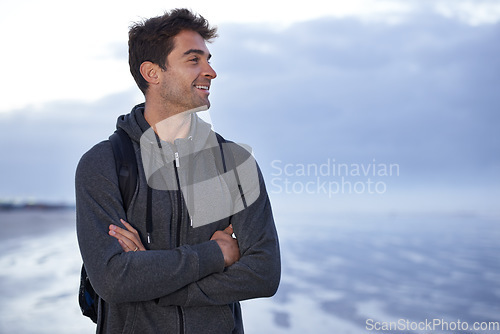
[(126, 165), (126, 169), (228, 163)]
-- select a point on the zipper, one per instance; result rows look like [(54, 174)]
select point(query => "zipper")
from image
[(179, 224), (177, 162), (179, 208), (181, 319), (177, 165)]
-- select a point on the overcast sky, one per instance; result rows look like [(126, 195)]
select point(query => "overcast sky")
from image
[(409, 82), (58, 49)]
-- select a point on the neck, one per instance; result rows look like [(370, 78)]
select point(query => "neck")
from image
[(168, 126)]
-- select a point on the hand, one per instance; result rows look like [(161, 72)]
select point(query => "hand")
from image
[(128, 239), (228, 245)]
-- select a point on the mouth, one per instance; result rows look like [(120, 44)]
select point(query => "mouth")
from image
[(203, 87)]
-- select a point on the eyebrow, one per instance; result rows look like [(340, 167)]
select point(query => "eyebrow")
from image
[(197, 51)]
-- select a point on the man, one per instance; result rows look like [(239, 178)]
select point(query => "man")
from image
[(187, 274)]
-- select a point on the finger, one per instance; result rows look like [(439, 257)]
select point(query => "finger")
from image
[(229, 229), (215, 235), (118, 230), (124, 246), (129, 227), (218, 235), (127, 248), (221, 235), (124, 241), (131, 234)]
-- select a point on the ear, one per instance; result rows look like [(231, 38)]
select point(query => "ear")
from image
[(149, 72)]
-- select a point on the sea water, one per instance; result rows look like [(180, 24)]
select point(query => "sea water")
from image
[(341, 273)]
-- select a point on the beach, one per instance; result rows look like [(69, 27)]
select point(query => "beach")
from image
[(340, 274)]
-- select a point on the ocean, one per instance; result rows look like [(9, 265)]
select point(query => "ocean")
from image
[(341, 274)]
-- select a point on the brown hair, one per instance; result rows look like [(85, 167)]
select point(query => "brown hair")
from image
[(152, 39)]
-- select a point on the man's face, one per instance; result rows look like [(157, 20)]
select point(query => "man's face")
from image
[(186, 82)]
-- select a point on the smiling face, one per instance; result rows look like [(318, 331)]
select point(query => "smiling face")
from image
[(185, 84)]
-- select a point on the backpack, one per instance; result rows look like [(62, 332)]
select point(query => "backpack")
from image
[(126, 169)]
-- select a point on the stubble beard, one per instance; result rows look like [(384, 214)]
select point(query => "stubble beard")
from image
[(175, 99)]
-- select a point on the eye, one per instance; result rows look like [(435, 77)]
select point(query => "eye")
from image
[(194, 60)]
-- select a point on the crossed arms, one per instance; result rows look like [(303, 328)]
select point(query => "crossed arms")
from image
[(129, 240), (218, 271)]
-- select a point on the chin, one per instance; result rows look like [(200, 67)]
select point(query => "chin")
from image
[(205, 104)]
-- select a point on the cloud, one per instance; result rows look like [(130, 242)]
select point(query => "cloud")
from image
[(71, 56), (41, 146), (422, 93), (471, 12)]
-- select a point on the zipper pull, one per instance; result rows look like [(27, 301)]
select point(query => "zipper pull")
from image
[(177, 163)]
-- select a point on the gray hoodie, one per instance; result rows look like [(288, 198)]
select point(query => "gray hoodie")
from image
[(179, 285)]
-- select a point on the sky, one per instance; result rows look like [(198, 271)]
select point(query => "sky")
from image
[(72, 45), (365, 83)]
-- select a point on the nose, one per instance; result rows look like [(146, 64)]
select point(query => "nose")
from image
[(209, 72)]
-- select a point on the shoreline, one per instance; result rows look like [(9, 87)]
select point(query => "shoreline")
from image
[(31, 222), (29, 206)]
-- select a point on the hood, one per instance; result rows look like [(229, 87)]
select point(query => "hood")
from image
[(134, 123), (157, 154), (200, 135)]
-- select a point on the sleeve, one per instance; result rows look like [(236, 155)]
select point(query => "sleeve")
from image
[(118, 276), (256, 274)]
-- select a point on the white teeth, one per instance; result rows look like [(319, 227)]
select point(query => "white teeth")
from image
[(202, 87)]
